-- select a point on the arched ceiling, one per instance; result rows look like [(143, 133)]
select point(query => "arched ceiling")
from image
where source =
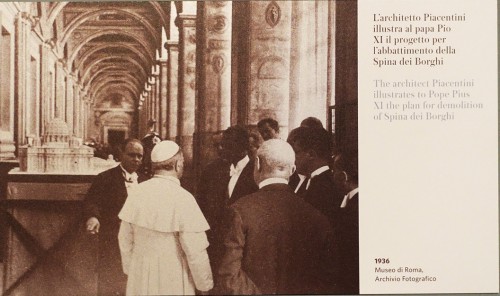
[(112, 46)]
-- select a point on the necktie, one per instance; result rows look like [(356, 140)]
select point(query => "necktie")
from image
[(130, 180)]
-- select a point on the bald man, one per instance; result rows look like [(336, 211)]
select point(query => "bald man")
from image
[(277, 243)]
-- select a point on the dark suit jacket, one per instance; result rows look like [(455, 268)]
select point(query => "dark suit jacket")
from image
[(323, 194), (277, 243), (214, 200), (245, 184), (346, 238), (104, 200), (294, 180)]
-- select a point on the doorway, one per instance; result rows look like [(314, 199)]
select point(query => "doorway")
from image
[(115, 138)]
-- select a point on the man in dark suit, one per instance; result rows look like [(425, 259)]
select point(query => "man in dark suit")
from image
[(312, 156), (277, 243), (268, 129), (148, 143), (224, 183), (346, 229), (103, 202)]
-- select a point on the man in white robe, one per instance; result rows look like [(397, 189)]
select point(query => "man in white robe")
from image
[(162, 234)]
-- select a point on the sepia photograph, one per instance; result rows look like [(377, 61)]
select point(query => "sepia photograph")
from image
[(211, 147), (179, 148)]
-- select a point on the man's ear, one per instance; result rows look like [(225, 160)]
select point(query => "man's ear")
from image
[(178, 165), (294, 168), (345, 176), (257, 163)]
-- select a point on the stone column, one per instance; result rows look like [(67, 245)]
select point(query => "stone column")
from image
[(346, 73), (163, 84), (308, 63), (144, 115), (21, 90), (60, 90), (187, 91), (45, 85), (214, 86), (264, 71), (152, 98), (157, 88), (7, 129), (173, 88), (85, 119), (69, 102), (81, 116), (155, 94), (76, 107)]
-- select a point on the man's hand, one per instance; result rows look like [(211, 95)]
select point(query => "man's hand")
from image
[(93, 225)]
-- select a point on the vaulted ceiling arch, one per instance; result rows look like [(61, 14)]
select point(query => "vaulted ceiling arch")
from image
[(146, 46), (118, 83), (107, 76), (118, 70), (79, 20), (111, 91), (146, 60), (54, 12), (58, 7), (161, 13), (122, 58)]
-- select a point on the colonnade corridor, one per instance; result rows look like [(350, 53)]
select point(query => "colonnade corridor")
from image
[(90, 74)]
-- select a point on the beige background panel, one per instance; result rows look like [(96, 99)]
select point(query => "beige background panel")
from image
[(430, 187)]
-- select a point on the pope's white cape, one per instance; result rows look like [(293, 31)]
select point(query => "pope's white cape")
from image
[(173, 209)]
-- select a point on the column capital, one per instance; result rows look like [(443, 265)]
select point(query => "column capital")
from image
[(155, 70), (27, 18), (172, 44), (186, 20), (50, 43), (24, 17)]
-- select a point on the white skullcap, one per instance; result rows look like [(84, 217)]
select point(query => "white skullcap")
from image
[(164, 150)]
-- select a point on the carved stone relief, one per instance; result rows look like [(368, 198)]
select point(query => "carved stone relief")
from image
[(218, 63), (272, 67), (218, 24), (219, 3), (217, 44), (191, 36), (273, 14)]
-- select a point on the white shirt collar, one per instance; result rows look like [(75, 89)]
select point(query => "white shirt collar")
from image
[(269, 181), (314, 174), (170, 178), (349, 196), (239, 166), (320, 170), (129, 176)]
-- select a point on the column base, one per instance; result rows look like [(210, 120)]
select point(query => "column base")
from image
[(7, 146)]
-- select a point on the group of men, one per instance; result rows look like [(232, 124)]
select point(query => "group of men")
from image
[(282, 219)]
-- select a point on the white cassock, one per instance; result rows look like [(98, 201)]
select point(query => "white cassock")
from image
[(162, 240)]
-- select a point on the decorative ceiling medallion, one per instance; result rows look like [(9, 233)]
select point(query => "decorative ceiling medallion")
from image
[(218, 63), (273, 14)]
